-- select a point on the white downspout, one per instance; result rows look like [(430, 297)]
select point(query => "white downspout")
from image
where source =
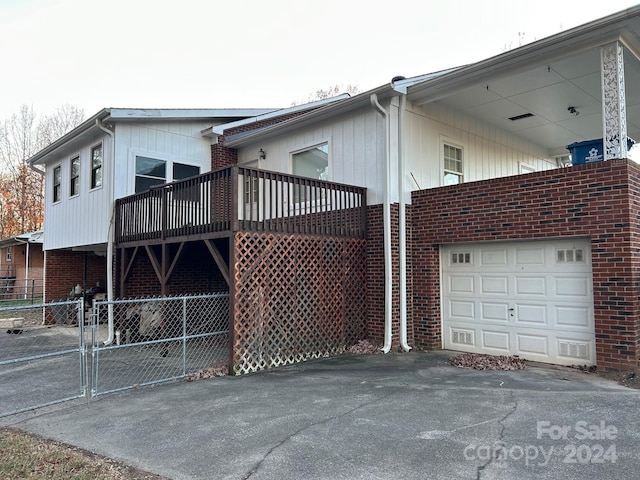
[(402, 228), (386, 225), (110, 240)]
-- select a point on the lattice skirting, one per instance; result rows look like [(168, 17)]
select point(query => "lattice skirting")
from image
[(296, 297)]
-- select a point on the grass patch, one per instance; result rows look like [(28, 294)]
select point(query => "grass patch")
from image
[(27, 456)]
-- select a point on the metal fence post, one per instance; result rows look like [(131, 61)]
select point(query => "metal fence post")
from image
[(184, 336)]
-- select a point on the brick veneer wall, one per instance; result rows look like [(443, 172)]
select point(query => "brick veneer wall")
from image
[(64, 269), (195, 273), (376, 277), (600, 201)]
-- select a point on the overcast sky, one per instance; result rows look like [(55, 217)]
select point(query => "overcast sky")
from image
[(250, 53)]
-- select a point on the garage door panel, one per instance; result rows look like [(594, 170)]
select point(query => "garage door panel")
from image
[(531, 286), (573, 316), (492, 285), (571, 349), (493, 257), (530, 256), (533, 299), (529, 315), (495, 312), (496, 340), (528, 344), (462, 310), (577, 286), (462, 338), (461, 284)]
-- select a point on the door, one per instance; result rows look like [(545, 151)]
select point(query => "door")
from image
[(533, 299)]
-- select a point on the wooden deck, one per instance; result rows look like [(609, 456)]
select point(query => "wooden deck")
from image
[(219, 203)]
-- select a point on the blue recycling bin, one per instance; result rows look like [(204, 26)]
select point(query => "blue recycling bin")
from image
[(590, 151)]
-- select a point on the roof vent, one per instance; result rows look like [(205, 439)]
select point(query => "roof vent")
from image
[(520, 117), (397, 78)]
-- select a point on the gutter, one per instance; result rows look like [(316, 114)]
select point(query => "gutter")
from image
[(386, 214), (110, 239)]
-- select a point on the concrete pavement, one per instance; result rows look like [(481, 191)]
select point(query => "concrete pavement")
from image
[(364, 417)]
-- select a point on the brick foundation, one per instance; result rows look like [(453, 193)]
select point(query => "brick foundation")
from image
[(64, 269)]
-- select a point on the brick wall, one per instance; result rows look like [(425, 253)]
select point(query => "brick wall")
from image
[(376, 276), (64, 269), (195, 273), (600, 201)]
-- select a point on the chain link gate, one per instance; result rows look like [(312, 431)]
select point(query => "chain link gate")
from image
[(43, 356), (56, 352), (157, 340)]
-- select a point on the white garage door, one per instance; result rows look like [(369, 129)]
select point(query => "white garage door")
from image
[(532, 299)]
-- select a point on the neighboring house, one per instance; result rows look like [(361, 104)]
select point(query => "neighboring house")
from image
[(21, 266), (436, 211)]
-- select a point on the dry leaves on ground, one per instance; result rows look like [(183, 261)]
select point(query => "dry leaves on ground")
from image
[(479, 361), (365, 347), (219, 370)]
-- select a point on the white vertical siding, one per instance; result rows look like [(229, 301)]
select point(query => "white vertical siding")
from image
[(171, 141), (357, 149), (84, 219), (355, 143), (489, 152)]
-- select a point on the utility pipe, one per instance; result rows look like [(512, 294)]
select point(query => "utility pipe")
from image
[(402, 227), (386, 225), (26, 266), (110, 240)]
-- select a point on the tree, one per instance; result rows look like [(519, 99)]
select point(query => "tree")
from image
[(22, 135), (329, 92)]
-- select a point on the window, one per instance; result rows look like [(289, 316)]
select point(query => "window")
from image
[(152, 171), (461, 257), (251, 189), (57, 181), (452, 165), (96, 166), (149, 172), (9, 254), (75, 176), (312, 163), (570, 255)]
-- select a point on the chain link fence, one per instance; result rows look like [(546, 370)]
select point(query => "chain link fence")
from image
[(42, 355), (157, 340), (55, 352)]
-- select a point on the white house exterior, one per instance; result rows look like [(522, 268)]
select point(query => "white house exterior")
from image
[(499, 118), (511, 114), (78, 212)]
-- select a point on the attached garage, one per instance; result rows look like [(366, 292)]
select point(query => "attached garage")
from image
[(533, 299)]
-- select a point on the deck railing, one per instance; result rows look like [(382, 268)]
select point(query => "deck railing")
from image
[(241, 199)]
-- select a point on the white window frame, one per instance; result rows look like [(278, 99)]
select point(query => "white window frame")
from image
[(311, 146), (445, 141), (56, 198), (299, 207), (78, 177), (92, 169), (9, 254), (169, 160)]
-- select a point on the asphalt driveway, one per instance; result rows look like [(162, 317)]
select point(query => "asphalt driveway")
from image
[(364, 417)]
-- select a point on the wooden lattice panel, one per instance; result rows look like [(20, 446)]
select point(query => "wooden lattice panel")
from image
[(296, 298)]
